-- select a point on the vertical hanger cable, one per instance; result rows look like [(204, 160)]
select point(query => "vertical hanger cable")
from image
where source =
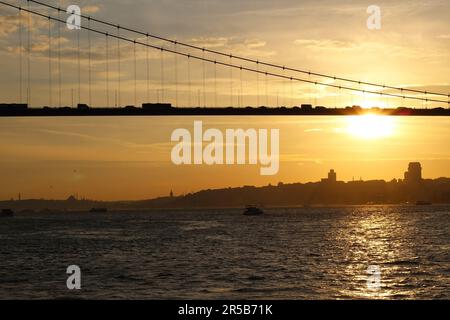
[(119, 67), (89, 62), (189, 80), (59, 59), (107, 68), (20, 55), (29, 56), (49, 62), (135, 73)]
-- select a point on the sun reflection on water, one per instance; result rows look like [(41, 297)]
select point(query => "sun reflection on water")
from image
[(377, 240)]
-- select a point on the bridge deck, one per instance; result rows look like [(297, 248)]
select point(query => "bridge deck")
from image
[(132, 111)]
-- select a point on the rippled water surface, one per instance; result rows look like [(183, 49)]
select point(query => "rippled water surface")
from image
[(304, 253)]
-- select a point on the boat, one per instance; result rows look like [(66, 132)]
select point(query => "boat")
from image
[(98, 210), (253, 211), (423, 203), (6, 213)]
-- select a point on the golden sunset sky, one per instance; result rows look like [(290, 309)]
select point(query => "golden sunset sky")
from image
[(129, 158)]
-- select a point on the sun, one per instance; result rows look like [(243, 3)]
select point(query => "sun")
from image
[(370, 126)]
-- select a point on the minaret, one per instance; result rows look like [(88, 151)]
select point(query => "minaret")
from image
[(171, 193)]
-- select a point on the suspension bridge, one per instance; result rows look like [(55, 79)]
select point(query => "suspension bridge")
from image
[(101, 67)]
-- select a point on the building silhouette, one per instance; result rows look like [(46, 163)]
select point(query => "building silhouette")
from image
[(414, 173), (331, 177), (157, 106), (83, 106), (13, 106)]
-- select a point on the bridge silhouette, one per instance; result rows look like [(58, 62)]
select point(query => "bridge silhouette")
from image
[(113, 69)]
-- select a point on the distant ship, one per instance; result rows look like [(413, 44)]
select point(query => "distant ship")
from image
[(98, 210), (423, 203), (253, 211), (6, 213)]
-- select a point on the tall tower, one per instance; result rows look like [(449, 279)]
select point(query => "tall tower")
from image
[(332, 176), (414, 173)]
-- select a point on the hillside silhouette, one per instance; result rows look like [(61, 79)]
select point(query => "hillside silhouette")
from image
[(413, 189)]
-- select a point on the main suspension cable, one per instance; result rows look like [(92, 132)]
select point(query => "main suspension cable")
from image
[(233, 66), (267, 64)]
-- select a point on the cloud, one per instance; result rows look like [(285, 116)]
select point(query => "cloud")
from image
[(161, 146), (8, 25), (313, 130), (255, 43), (326, 44), (90, 9), (210, 42)]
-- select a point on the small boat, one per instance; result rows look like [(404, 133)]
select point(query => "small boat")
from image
[(423, 203), (6, 213), (253, 211), (98, 210)]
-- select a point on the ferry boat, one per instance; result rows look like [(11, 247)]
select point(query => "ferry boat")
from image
[(253, 211), (423, 203), (7, 213), (98, 210)]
